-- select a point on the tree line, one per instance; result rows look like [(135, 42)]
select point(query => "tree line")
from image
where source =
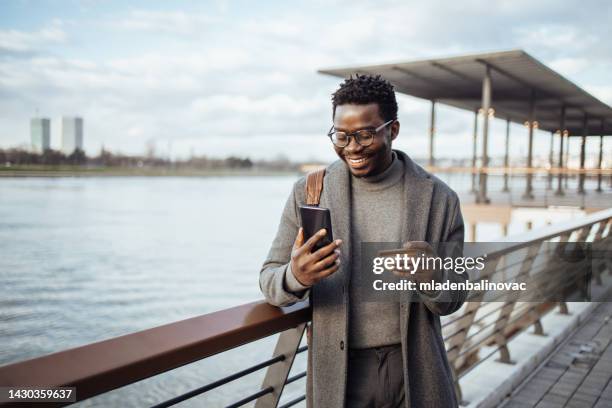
[(51, 157)]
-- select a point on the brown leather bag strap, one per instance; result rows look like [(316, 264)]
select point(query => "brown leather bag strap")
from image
[(314, 186)]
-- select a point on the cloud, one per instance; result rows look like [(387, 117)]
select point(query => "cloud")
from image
[(167, 22), (556, 37), (272, 106), (16, 41), (279, 29), (569, 66)]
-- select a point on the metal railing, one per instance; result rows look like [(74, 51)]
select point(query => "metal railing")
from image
[(496, 321), (100, 367)]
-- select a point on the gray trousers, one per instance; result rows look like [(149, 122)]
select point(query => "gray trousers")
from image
[(375, 378)]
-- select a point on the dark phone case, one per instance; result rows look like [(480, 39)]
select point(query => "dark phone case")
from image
[(314, 219)]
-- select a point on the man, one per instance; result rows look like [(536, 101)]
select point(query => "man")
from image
[(369, 354)]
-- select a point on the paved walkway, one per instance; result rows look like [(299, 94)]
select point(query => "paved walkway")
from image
[(577, 374)]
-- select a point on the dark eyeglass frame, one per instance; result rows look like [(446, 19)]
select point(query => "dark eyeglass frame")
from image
[(363, 137)]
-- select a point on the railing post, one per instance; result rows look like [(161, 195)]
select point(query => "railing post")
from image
[(563, 308), (276, 375), (600, 230), (538, 330), (508, 307), (458, 391), (597, 265), (606, 262), (504, 353), (583, 234), (562, 304)]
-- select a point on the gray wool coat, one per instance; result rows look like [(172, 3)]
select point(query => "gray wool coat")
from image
[(433, 215)]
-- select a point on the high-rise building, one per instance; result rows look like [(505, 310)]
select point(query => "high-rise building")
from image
[(40, 133), (72, 134)]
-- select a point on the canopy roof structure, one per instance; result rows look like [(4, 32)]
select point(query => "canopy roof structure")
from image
[(517, 79)]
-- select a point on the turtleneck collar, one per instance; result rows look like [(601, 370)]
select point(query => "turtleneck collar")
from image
[(386, 179)]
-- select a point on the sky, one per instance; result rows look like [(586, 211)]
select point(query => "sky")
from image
[(223, 78)]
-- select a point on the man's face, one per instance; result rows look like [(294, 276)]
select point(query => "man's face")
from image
[(375, 158)]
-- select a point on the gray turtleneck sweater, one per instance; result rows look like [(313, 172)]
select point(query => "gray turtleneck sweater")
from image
[(375, 217)]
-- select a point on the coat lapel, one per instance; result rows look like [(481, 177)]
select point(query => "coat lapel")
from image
[(418, 191)]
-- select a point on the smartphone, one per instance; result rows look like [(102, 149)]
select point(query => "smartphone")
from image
[(315, 219)]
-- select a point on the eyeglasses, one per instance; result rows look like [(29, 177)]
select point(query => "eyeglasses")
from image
[(364, 137)]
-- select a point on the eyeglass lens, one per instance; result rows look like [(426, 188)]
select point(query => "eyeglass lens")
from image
[(363, 137)]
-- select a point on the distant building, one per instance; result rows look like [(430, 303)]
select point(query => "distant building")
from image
[(40, 133), (72, 134)]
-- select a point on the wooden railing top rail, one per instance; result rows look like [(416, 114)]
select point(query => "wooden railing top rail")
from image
[(103, 366)]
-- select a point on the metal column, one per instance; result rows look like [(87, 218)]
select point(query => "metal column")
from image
[(550, 161), (432, 132), (506, 156), (529, 187), (567, 159), (486, 105), (475, 142), (559, 191), (600, 161), (581, 176)]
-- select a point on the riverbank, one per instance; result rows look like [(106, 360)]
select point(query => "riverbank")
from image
[(77, 171)]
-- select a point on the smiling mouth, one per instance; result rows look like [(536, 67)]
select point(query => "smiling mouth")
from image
[(357, 162)]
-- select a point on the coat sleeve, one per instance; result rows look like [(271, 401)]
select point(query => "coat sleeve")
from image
[(447, 302), (276, 281)]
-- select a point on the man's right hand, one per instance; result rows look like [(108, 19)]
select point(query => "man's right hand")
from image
[(310, 267)]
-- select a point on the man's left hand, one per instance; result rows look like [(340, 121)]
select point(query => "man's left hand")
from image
[(423, 250)]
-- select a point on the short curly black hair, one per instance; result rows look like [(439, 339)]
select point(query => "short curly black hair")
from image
[(365, 89)]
